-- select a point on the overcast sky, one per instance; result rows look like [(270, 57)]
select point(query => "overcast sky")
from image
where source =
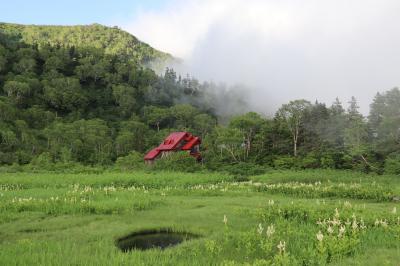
[(284, 50)]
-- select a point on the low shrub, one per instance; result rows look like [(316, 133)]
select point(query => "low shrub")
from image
[(310, 161), (285, 162), (178, 161), (328, 161), (243, 169), (43, 161), (392, 164), (132, 161)]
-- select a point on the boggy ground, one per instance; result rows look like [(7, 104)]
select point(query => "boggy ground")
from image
[(280, 218)]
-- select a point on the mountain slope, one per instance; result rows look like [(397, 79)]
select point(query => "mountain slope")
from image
[(112, 40)]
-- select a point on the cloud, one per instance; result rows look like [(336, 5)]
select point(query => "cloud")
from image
[(283, 50)]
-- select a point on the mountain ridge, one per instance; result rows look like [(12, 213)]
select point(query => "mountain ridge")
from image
[(112, 40)]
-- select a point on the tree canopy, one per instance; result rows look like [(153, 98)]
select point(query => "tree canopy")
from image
[(84, 94)]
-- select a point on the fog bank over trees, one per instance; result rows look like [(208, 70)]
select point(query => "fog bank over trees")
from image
[(282, 50)]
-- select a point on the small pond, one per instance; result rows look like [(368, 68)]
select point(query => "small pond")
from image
[(148, 239)]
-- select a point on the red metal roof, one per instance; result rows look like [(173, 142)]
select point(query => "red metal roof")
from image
[(172, 141), (151, 155), (188, 146)]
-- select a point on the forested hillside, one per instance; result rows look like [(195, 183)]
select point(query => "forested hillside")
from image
[(83, 95), (76, 101), (112, 41)]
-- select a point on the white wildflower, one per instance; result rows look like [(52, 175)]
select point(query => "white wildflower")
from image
[(354, 225), (225, 220), (270, 230), (336, 212), (320, 236), (394, 211), (342, 229), (260, 229), (384, 223), (281, 246), (377, 222), (330, 230), (336, 221), (271, 202), (362, 225)]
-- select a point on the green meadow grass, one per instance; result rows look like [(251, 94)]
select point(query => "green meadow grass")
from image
[(272, 219)]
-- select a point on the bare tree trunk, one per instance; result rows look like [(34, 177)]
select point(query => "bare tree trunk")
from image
[(232, 154), (367, 163), (295, 138), (248, 147)]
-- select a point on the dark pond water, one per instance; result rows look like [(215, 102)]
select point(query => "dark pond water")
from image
[(162, 238)]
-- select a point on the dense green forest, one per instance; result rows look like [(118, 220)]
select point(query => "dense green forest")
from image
[(111, 41), (83, 95)]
